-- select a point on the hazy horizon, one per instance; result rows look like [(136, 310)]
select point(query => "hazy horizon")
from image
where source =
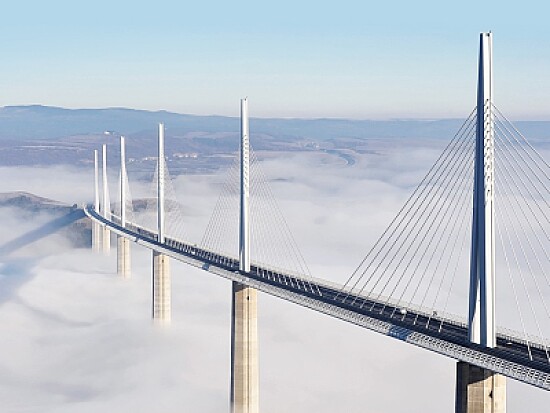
[(235, 114)]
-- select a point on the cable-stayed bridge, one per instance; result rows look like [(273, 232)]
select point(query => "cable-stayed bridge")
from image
[(481, 213)]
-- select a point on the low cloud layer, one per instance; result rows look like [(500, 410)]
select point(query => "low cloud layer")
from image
[(79, 339)]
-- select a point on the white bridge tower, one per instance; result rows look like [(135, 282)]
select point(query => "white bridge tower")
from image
[(479, 390), (161, 264), (123, 243), (244, 312)]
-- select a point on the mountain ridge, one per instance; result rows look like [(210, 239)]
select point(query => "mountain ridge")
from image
[(47, 135), (39, 121)]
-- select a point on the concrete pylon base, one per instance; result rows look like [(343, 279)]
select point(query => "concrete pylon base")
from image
[(244, 350), (161, 289), (123, 257), (105, 240), (479, 390), (96, 237)]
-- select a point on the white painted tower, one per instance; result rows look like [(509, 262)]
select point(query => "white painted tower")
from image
[(244, 223), (244, 313), (161, 263), (482, 262), (105, 206), (96, 228), (479, 390), (123, 244)]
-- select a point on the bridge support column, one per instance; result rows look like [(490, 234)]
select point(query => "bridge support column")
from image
[(244, 312), (96, 237), (123, 257), (479, 390), (161, 288), (105, 240), (244, 350)]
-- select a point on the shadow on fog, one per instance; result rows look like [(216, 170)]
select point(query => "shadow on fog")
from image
[(40, 232), (17, 271)]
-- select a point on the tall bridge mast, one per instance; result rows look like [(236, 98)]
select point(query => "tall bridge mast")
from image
[(481, 315)]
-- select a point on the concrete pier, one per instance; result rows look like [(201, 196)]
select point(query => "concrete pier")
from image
[(244, 350), (123, 257), (479, 390), (161, 288), (96, 237), (105, 240)]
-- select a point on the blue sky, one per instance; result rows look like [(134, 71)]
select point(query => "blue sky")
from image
[(293, 59)]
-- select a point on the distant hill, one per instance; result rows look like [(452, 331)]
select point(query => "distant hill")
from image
[(45, 122), (31, 203), (77, 230), (44, 135)]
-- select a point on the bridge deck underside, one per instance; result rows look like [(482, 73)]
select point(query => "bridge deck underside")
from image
[(430, 331)]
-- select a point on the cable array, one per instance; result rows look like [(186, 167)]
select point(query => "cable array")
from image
[(272, 244), (410, 262), (174, 211), (222, 231), (422, 259), (146, 211), (129, 207), (522, 188)]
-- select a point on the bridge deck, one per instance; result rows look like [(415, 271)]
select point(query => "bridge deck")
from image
[(511, 357)]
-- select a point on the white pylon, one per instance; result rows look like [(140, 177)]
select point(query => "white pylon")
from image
[(122, 182), (96, 182), (105, 206), (161, 265), (160, 185), (244, 396), (123, 244), (96, 229), (244, 232), (481, 315)]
